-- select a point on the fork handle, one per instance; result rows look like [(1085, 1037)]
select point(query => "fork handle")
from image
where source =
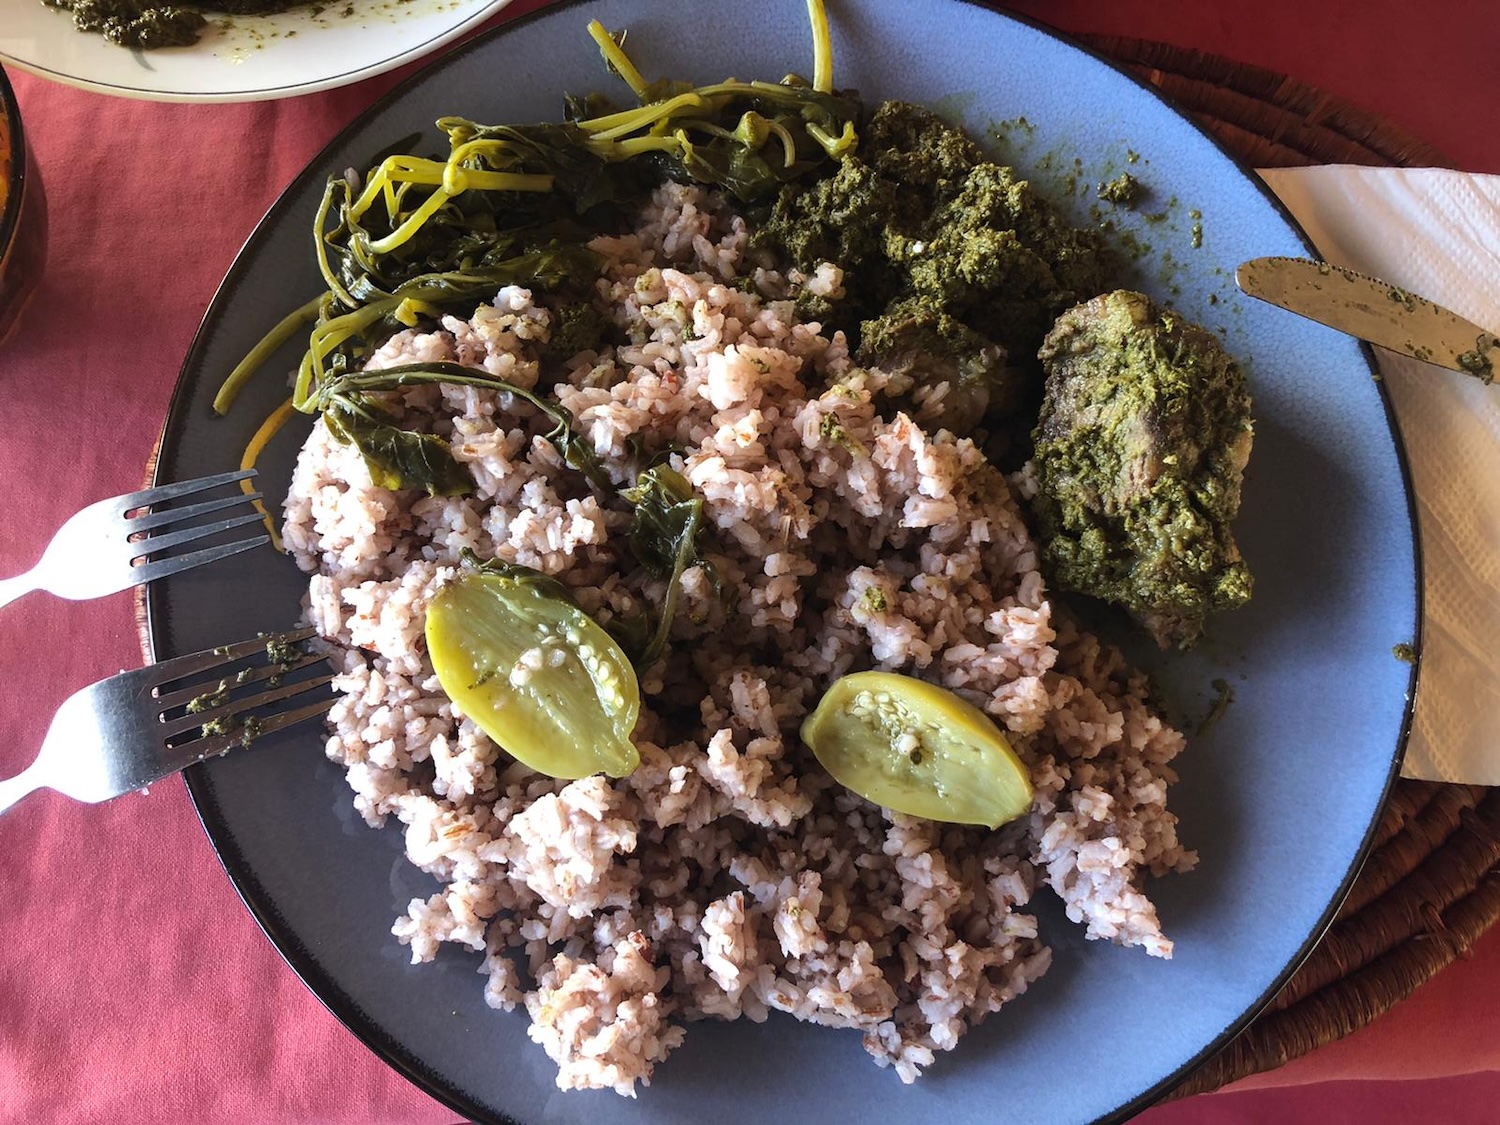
[(12, 789), (13, 588)]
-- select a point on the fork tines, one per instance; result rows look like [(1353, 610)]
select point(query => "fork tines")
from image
[(150, 517), (212, 716)]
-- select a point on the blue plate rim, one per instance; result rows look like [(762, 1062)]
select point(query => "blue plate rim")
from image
[(257, 900)]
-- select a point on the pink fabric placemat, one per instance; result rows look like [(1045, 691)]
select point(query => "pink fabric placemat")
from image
[(134, 986)]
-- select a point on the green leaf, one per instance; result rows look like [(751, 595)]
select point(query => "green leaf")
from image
[(580, 107), (665, 533), (518, 573), (572, 446), (397, 458), (666, 521)]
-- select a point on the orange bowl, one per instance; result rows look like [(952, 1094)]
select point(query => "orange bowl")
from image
[(23, 214)]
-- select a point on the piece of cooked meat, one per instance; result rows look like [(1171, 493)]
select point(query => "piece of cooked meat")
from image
[(1141, 446)]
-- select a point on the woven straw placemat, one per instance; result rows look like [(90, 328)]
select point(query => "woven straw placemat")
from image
[(1431, 886)]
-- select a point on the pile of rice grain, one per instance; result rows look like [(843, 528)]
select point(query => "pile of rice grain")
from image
[(729, 875)]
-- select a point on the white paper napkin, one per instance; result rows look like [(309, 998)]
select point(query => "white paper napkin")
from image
[(1436, 233)]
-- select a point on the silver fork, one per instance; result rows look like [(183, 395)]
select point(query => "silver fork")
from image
[(105, 548), (125, 732)]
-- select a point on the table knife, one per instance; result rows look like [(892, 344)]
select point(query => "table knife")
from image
[(1373, 310)]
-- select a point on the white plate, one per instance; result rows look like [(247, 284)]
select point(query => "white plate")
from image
[(242, 58)]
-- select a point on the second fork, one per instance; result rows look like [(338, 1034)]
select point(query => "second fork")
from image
[(109, 545)]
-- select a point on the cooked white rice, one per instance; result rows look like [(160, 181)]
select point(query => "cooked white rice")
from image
[(729, 875)]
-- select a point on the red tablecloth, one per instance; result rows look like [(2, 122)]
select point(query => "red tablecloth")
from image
[(134, 987)]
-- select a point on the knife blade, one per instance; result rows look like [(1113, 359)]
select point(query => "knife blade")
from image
[(1373, 310)]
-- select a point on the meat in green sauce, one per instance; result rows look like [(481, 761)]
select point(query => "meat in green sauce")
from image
[(1140, 448)]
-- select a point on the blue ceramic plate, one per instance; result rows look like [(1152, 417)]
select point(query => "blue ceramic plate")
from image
[(1279, 796)]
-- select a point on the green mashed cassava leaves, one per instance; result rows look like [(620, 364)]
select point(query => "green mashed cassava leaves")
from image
[(954, 267)]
